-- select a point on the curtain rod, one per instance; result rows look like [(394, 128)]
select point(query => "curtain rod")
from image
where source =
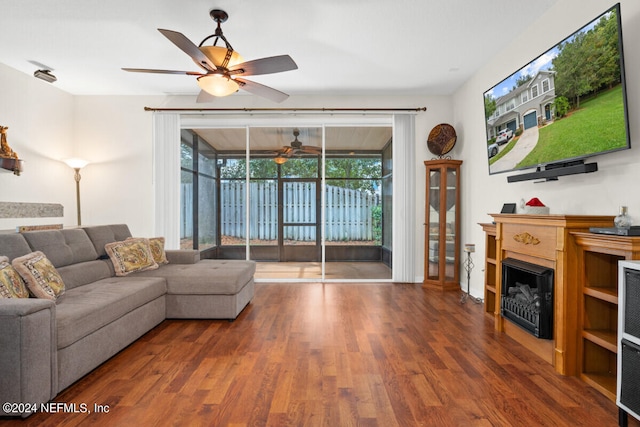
[(332, 110)]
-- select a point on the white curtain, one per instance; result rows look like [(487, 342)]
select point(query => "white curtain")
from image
[(166, 177), (404, 206)]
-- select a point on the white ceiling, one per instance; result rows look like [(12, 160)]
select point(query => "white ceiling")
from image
[(341, 46)]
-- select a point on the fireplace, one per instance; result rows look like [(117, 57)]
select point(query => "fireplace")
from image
[(527, 296)]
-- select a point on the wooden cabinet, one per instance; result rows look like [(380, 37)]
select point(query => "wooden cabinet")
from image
[(442, 225), (490, 266), (547, 241), (598, 257)]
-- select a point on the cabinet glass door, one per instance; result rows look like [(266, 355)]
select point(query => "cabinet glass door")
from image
[(450, 223), (434, 224), (442, 243)]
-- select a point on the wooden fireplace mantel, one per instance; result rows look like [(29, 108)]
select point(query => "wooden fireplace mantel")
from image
[(546, 240)]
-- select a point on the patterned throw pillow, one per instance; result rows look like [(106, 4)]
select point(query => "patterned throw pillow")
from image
[(11, 284), (130, 256), (157, 249), (41, 277)]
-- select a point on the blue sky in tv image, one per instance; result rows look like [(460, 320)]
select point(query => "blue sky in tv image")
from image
[(543, 62)]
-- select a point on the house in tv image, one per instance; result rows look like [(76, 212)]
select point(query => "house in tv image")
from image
[(526, 106)]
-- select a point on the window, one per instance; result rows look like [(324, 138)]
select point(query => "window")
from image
[(354, 200), (534, 91), (545, 85), (198, 193)]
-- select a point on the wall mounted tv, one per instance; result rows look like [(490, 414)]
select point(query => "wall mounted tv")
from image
[(566, 105)]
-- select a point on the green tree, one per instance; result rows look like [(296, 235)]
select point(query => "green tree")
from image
[(376, 215), (561, 105), (571, 67), (259, 168), (358, 173), (588, 62), (489, 106), (186, 162), (522, 80), (605, 41)]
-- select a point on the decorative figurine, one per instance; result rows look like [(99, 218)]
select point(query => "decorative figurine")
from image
[(8, 158), (5, 150)]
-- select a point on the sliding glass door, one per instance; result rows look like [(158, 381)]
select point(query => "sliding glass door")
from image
[(305, 202)]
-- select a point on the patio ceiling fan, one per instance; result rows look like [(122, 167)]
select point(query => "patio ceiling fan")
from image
[(223, 69), (295, 148)]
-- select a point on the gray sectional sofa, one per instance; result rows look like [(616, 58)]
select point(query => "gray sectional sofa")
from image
[(45, 346)]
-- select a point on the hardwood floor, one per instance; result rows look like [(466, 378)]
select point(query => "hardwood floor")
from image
[(334, 271), (333, 355)]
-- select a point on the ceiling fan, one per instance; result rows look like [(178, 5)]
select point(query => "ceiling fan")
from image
[(295, 148), (223, 69)]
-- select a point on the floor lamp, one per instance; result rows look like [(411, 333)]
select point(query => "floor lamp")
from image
[(76, 165)]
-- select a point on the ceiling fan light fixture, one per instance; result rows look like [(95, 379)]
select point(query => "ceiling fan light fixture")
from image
[(217, 55), (220, 66), (217, 85), (280, 160)]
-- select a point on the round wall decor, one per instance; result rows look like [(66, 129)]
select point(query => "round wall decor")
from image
[(441, 139)]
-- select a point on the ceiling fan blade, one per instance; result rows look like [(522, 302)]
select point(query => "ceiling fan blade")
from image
[(311, 149), (270, 65), (146, 70), (284, 151), (262, 90), (189, 48)]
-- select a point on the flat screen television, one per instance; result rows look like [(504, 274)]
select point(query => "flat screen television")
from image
[(566, 105)]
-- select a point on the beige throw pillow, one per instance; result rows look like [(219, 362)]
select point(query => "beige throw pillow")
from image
[(11, 284), (130, 255), (157, 249), (41, 277)]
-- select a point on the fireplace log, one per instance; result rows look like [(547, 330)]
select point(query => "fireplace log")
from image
[(526, 290)]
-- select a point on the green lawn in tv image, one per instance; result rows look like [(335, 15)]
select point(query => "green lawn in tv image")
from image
[(597, 126)]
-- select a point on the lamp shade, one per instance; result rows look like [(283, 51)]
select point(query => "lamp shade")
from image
[(76, 163), (217, 85), (217, 54)]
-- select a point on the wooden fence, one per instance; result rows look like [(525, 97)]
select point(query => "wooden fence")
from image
[(349, 213)]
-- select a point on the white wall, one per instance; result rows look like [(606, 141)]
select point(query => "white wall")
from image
[(600, 193), (114, 133), (40, 121)]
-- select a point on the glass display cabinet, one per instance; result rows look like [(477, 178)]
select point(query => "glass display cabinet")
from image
[(442, 224)]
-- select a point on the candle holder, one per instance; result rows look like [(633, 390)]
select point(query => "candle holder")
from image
[(469, 248)]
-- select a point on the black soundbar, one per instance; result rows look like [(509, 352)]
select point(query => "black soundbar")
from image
[(552, 173)]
